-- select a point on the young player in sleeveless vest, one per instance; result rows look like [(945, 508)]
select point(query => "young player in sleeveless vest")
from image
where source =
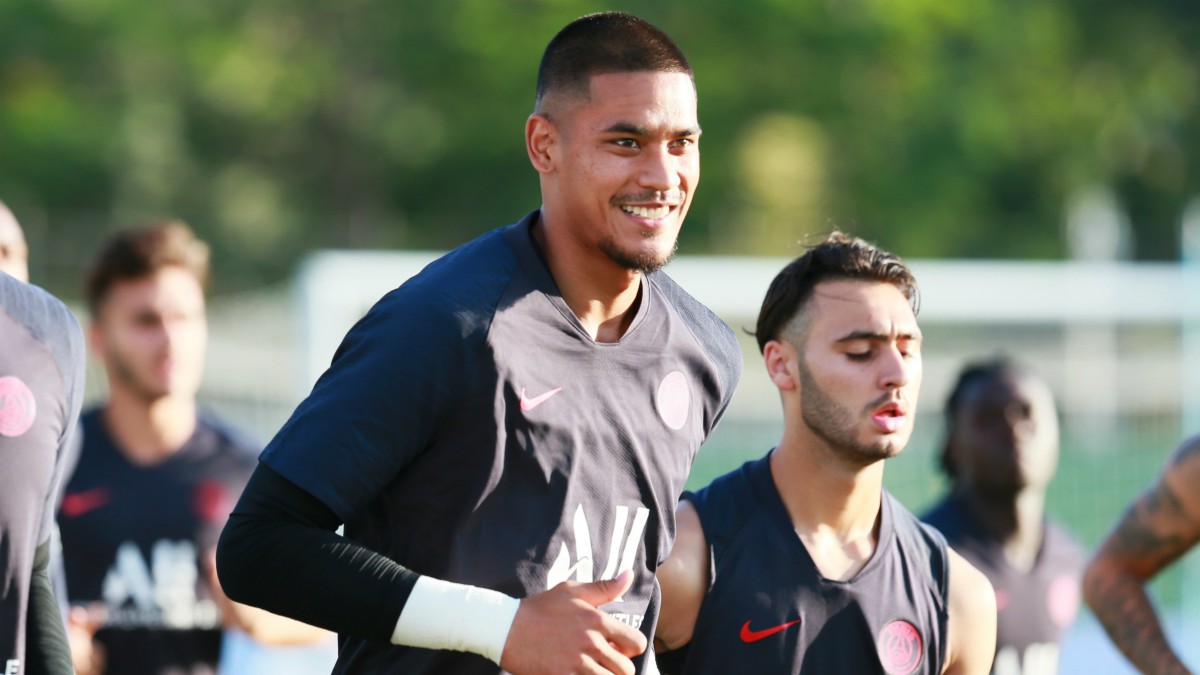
[(801, 562)]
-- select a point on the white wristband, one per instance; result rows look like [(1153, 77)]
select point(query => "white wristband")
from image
[(445, 615)]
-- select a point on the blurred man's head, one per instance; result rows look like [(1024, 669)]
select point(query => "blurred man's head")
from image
[(838, 326), (614, 135), (14, 253), (145, 292), (1001, 430)]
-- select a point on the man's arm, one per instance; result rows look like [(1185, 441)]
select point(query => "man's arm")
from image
[(1158, 528), (683, 578), (46, 637), (972, 620), (279, 552)]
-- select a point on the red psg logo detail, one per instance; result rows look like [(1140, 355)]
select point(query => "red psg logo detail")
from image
[(211, 501), (17, 407), (900, 648)]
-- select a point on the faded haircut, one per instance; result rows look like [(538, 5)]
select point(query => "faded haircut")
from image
[(606, 42), (839, 257)]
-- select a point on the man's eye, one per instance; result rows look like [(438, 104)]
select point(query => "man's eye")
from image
[(858, 356), (626, 143), (682, 143)]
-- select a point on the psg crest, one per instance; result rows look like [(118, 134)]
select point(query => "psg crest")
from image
[(900, 648)]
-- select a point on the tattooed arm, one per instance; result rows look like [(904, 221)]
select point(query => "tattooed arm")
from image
[(1155, 531)]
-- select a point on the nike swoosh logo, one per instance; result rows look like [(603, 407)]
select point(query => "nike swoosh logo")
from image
[(528, 404), (756, 635), (78, 503)]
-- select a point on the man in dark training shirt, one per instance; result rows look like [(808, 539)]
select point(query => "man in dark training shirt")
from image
[(505, 436), (1001, 451), (156, 476), (800, 562)]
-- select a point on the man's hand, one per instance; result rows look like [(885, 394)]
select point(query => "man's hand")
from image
[(82, 624), (560, 631)]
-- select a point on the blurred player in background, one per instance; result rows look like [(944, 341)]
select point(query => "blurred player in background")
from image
[(156, 478), (41, 391), (517, 420), (801, 562), (1157, 529), (1000, 452)]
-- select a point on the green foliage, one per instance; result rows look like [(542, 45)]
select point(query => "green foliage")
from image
[(935, 128)]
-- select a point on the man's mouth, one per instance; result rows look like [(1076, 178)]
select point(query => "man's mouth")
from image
[(889, 417), (647, 212)]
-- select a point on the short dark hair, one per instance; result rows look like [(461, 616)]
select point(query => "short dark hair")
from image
[(138, 253), (605, 42), (972, 374), (839, 256)]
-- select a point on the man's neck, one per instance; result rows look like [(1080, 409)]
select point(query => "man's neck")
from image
[(834, 506), (148, 431), (1017, 522), (601, 293)]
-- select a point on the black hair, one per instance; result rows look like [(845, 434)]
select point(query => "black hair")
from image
[(971, 374), (839, 256), (606, 42)]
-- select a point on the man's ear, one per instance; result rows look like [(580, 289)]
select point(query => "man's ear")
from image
[(541, 140), (95, 338), (779, 357)]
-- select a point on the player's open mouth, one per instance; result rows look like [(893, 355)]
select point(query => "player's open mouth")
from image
[(647, 212), (889, 418)]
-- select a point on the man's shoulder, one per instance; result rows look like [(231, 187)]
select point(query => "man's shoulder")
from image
[(920, 539), (702, 320), (904, 519), (46, 318), (728, 502), (460, 284), (710, 331)]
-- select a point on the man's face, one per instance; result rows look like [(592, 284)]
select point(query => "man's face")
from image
[(859, 369), (14, 253), (1005, 435), (627, 162), (152, 333)]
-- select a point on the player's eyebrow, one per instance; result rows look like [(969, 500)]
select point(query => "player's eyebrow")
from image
[(646, 132), (877, 337)]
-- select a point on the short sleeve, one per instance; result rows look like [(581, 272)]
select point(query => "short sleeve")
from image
[(392, 382)]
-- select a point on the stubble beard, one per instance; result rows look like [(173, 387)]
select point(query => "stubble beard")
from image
[(836, 425), (645, 263)]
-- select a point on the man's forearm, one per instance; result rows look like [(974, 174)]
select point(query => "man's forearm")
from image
[(47, 650), (279, 552), (1121, 604)]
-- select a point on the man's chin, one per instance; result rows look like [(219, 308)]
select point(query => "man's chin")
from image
[(645, 261)]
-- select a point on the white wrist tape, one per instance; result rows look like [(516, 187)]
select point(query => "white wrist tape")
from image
[(444, 615)]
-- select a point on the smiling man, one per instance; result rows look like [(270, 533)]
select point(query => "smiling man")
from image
[(504, 436), (801, 561)]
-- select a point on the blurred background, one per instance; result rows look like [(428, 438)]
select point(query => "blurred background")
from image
[(1036, 162)]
